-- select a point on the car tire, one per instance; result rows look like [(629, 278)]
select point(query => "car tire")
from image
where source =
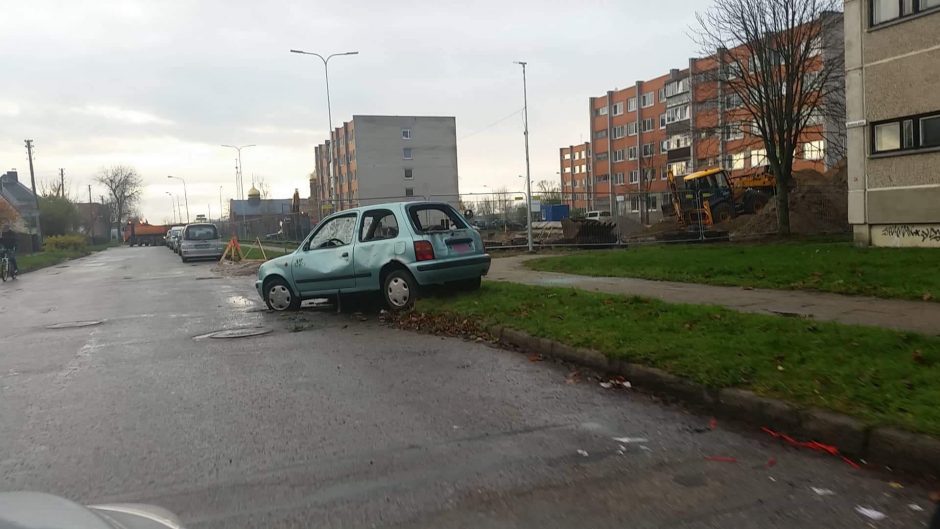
[(399, 290), (279, 297)]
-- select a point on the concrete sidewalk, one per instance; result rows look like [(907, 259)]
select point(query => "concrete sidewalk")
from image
[(917, 316)]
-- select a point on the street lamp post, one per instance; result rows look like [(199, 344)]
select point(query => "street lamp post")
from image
[(528, 175), (185, 195), (239, 176), (329, 110), (220, 204), (175, 216)]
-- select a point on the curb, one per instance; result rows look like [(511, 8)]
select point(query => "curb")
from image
[(914, 453)]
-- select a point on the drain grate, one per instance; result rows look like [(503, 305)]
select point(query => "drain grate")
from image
[(74, 324), (243, 332)]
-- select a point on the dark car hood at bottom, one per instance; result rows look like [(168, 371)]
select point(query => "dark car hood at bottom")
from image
[(38, 510)]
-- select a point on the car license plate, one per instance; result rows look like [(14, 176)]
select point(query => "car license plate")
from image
[(461, 247), (202, 246)]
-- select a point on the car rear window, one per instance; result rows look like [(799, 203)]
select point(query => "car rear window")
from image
[(201, 233), (434, 217)]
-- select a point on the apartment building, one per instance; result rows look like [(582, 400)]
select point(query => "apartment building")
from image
[(387, 158), (892, 50), (628, 133), (576, 175)]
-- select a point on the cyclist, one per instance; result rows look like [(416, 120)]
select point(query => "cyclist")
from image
[(8, 247)]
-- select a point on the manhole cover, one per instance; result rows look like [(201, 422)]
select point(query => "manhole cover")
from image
[(72, 324), (244, 332)]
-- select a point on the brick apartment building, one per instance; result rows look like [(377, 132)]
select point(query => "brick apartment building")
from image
[(386, 158), (680, 122)]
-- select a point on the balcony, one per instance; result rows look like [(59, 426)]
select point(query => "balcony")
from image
[(678, 127), (678, 99), (678, 154)]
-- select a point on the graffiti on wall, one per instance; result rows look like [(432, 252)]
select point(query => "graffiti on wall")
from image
[(902, 231)]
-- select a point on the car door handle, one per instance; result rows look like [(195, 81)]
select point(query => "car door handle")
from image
[(345, 254)]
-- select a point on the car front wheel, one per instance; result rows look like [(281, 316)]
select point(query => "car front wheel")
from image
[(279, 297), (399, 290)]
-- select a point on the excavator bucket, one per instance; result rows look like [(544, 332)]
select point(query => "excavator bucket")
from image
[(588, 231)]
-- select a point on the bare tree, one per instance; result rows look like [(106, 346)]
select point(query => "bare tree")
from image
[(263, 187), (124, 187), (548, 191), (8, 215), (781, 61)]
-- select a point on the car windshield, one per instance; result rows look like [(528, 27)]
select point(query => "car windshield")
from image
[(204, 232), (334, 232), (434, 217)]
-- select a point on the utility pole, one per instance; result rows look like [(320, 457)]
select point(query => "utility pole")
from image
[(91, 216), (32, 180), (61, 182), (528, 175)]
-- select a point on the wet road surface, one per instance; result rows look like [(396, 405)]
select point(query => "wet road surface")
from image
[(330, 421)]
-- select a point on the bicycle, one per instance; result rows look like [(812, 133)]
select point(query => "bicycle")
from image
[(6, 268)]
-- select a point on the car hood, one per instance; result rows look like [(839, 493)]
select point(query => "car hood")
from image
[(38, 510), (273, 264)]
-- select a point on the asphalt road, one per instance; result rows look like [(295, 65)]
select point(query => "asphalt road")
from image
[(331, 421)]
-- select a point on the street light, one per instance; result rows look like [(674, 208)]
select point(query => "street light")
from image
[(175, 217), (329, 110), (220, 204), (528, 175), (185, 195), (239, 180)]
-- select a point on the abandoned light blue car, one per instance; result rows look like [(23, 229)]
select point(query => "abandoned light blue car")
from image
[(393, 248)]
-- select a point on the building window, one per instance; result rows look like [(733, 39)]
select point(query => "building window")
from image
[(663, 146), (663, 173), (906, 134), (678, 113), (662, 94), (601, 178), (732, 132), (618, 178), (618, 155), (409, 191), (618, 109), (651, 202), (646, 100), (618, 132), (631, 104), (634, 177), (601, 156), (601, 111), (814, 150), (409, 174), (647, 150), (406, 134), (631, 128), (679, 168), (887, 10), (406, 153), (599, 134), (631, 153), (758, 157), (662, 120), (733, 101), (647, 125)]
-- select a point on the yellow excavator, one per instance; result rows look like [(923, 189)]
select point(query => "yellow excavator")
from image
[(712, 196)]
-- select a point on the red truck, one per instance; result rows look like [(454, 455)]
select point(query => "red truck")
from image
[(143, 234)]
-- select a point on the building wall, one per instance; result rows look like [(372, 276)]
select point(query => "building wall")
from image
[(380, 164), (575, 168), (891, 72)]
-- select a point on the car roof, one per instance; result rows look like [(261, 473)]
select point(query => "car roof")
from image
[(390, 205)]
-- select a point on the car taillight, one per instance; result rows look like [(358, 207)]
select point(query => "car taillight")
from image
[(424, 251)]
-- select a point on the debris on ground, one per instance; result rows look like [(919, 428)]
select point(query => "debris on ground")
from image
[(812, 445), (914, 507), (535, 357), (870, 513), (246, 267), (895, 485), (721, 459), (582, 452), (823, 492), (615, 382), (628, 440), (573, 377), (440, 324)]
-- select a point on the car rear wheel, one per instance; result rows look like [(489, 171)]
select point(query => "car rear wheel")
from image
[(399, 290), (278, 296)]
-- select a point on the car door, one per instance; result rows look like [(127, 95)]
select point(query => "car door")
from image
[(325, 262), (379, 242)]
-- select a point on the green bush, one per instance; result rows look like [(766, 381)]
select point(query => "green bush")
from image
[(65, 242)]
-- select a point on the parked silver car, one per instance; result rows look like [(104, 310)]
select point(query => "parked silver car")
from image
[(173, 237), (200, 241)]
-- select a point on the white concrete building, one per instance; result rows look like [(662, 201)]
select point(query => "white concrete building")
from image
[(387, 158)]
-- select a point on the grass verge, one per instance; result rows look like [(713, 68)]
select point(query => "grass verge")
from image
[(881, 376), (31, 262), (824, 266)]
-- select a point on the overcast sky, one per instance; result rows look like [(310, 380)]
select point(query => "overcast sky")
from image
[(159, 85)]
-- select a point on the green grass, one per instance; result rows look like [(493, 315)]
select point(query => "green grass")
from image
[(31, 262), (906, 273), (881, 376)]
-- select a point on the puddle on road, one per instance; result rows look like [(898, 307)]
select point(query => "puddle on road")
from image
[(240, 301)]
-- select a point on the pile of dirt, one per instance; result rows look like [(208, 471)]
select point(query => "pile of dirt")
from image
[(818, 205), (245, 267)]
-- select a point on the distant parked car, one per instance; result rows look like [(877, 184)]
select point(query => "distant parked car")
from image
[(390, 248), (200, 241), (603, 216), (173, 237)]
